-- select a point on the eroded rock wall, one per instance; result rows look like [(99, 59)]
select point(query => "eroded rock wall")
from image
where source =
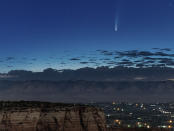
[(57, 119)]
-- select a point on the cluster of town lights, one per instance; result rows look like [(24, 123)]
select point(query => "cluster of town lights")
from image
[(144, 125)]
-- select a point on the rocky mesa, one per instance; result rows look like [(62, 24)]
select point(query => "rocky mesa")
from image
[(36, 116)]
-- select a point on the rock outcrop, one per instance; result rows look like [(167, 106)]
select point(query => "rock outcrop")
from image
[(51, 118)]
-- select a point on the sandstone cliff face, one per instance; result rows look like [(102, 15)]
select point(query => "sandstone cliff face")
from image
[(75, 118)]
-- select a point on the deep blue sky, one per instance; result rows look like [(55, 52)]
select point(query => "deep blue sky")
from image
[(43, 28)]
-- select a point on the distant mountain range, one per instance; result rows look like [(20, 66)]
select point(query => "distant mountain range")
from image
[(94, 74), (88, 91), (103, 84)]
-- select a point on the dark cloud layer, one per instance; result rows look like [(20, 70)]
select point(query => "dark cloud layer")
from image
[(10, 58), (74, 59), (119, 73)]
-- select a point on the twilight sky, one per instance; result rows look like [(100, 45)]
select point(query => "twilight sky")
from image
[(38, 30)]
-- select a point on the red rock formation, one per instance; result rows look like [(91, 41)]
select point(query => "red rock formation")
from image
[(57, 119)]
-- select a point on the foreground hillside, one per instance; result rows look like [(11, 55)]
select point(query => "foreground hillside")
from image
[(36, 116), (87, 91), (44, 116)]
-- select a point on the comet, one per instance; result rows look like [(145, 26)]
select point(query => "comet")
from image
[(116, 23), (116, 27)]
